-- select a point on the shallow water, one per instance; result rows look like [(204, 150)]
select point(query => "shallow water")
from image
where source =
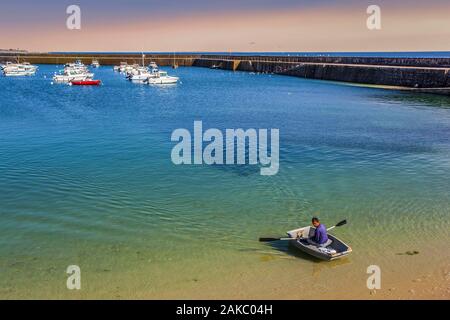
[(86, 178)]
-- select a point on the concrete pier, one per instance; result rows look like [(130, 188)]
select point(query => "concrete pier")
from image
[(412, 74)]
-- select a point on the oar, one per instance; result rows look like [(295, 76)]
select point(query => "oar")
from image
[(274, 239), (340, 223)]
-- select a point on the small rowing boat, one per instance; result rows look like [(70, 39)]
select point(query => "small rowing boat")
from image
[(300, 238), (332, 250), (86, 83)]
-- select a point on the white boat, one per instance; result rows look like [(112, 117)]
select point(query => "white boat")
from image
[(161, 77), (121, 67), (140, 75), (75, 65), (73, 72), (9, 66), (130, 70), (16, 73), (95, 64), (124, 69), (140, 78), (71, 76), (11, 69), (19, 69), (29, 69), (153, 65)]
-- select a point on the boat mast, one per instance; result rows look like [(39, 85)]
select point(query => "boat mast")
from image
[(174, 65)]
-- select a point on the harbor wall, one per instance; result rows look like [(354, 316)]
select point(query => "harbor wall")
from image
[(385, 61), (384, 75)]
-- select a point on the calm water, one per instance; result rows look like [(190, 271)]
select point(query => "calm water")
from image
[(86, 178)]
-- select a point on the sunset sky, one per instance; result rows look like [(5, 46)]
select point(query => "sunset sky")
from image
[(226, 25)]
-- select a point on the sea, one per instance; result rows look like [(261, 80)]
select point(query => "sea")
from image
[(87, 180)]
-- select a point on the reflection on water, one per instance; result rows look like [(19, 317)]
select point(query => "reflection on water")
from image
[(421, 100)]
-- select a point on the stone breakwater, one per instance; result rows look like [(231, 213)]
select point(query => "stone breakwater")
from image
[(412, 74), (419, 74)]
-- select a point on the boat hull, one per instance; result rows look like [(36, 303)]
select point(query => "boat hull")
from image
[(141, 78), (336, 250), (163, 80), (303, 245), (68, 79), (86, 83), (18, 74)]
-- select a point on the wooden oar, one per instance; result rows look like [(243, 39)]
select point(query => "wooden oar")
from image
[(340, 223)]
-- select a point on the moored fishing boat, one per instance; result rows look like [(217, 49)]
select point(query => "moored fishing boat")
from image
[(129, 69), (126, 69), (19, 69), (140, 76), (72, 75), (120, 67), (76, 65), (73, 72), (161, 77)]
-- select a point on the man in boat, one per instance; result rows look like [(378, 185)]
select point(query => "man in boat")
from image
[(320, 237)]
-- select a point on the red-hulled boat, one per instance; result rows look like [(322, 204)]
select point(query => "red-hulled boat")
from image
[(86, 83)]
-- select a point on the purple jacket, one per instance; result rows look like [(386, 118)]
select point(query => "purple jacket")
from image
[(320, 236)]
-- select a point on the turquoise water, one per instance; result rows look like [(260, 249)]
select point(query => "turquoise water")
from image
[(86, 178)]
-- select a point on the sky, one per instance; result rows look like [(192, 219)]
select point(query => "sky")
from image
[(226, 26)]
